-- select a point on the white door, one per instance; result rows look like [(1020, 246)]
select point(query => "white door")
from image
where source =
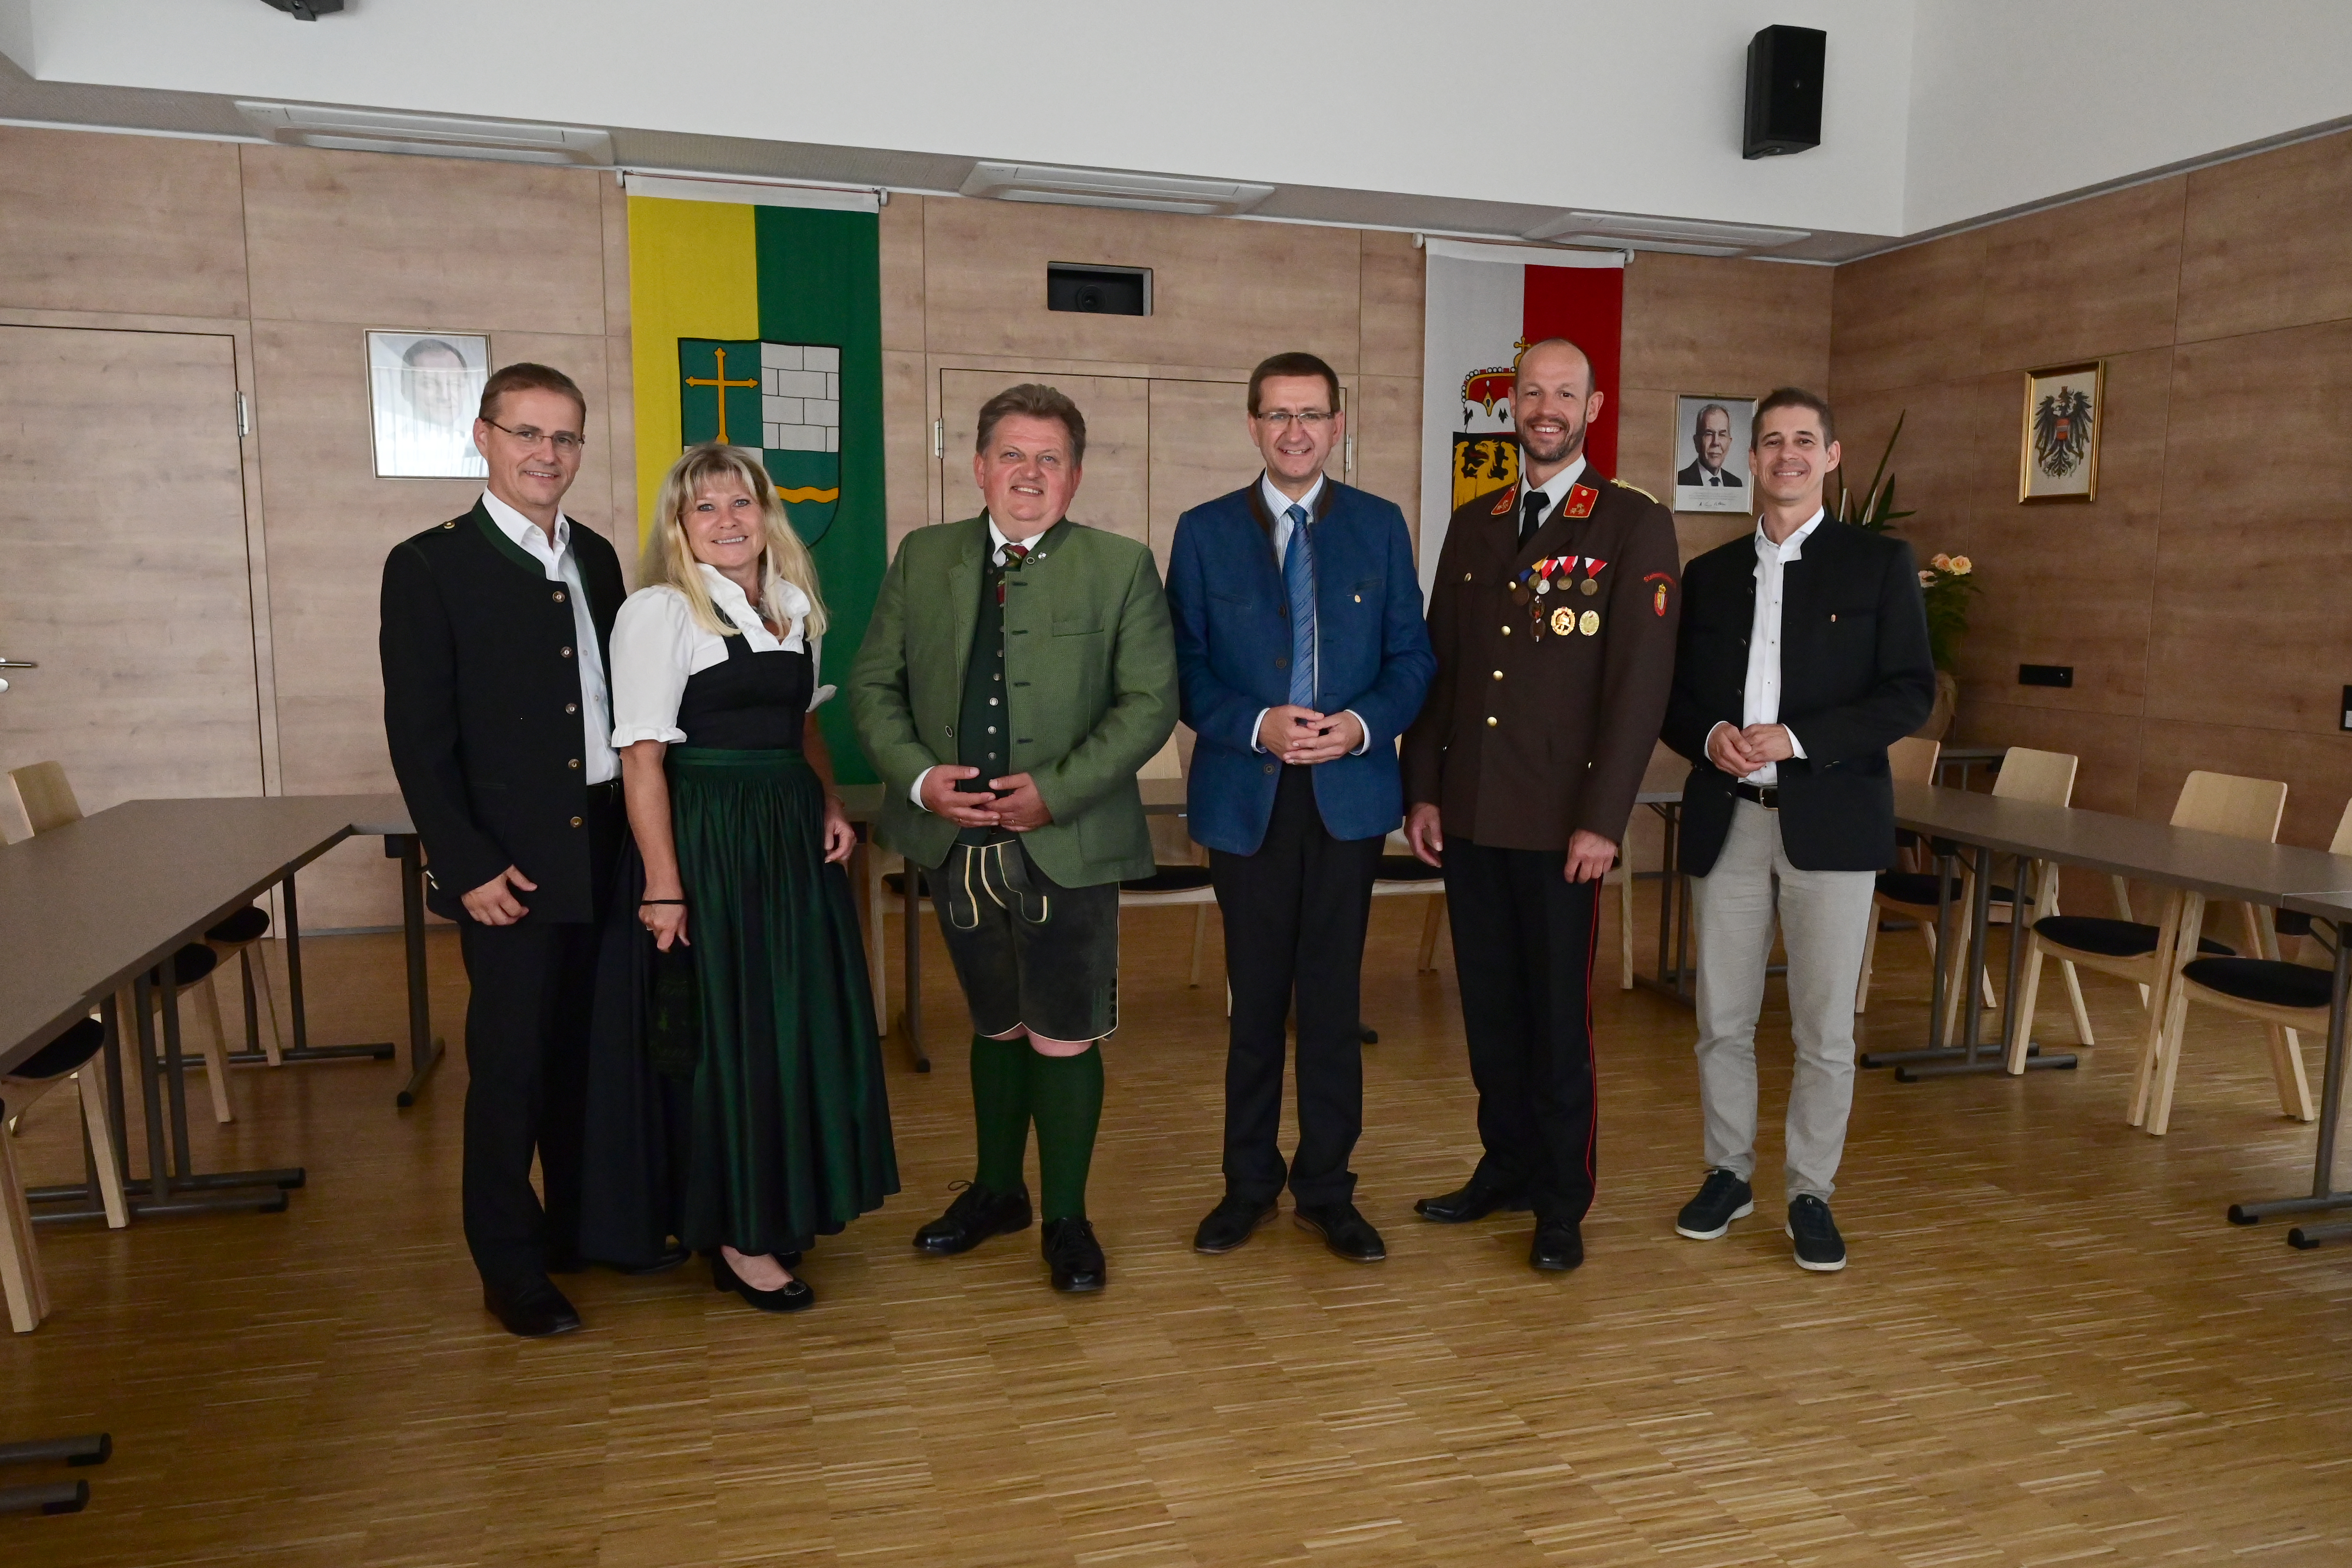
[(123, 564)]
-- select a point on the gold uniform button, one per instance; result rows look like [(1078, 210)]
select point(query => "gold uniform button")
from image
[(572, 763), (1507, 631), (1465, 576), (567, 653), (575, 822), (1491, 721), (571, 707), (559, 596), (1498, 675)]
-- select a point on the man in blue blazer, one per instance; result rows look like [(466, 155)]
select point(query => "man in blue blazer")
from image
[(1302, 656)]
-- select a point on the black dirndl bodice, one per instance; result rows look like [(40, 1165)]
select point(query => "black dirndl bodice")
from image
[(750, 702)]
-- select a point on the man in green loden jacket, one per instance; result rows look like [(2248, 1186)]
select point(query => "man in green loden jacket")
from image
[(1018, 670)]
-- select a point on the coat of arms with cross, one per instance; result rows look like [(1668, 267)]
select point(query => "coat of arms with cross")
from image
[(784, 399)]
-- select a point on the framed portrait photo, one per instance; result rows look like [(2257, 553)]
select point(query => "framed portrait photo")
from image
[(424, 390), (2065, 407), (1711, 452)]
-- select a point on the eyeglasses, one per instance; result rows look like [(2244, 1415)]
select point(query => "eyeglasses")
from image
[(564, 441), (1312, 420)]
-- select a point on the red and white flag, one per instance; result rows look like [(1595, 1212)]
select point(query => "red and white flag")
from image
[(1486, 304)]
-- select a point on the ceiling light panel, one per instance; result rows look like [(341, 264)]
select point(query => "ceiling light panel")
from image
[(1111, 188), (439, 135)]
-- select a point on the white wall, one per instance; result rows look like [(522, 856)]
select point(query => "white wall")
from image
[(2016, 101), (1575, 102)]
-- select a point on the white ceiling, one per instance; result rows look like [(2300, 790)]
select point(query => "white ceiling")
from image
[(1402, 114)]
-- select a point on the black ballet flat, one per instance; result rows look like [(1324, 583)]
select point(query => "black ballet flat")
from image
[(794, 1297)]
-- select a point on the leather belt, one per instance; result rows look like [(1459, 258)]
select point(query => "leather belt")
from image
[(608, 790), (1766, 796)]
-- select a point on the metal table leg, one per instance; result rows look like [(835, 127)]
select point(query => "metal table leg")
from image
[(2324, 1196), (424, 1048), (302, 1050), (1971, 1063), (912, 889)]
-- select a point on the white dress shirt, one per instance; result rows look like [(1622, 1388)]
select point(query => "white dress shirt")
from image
[(1277, 506), (1760, 700), (601, 763), (657, 644), (996, 543), (1554, 490)]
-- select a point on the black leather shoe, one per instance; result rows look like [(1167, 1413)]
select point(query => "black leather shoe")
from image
[(1073, 1255), (1475, 1201), (1344, 1230), (1232, 1221), (793, 1296), (532, 1310), (976, 1215), (1558, 1246)]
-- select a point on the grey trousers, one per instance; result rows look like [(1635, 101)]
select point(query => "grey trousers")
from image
[(1824, 918)]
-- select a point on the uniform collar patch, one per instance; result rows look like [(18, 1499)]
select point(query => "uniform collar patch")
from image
[(1580, 500)]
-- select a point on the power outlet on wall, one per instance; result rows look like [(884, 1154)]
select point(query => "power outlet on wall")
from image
[(2045, 675), (2344, 712)]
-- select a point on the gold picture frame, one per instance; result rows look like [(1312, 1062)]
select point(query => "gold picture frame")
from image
[(2058, 447)]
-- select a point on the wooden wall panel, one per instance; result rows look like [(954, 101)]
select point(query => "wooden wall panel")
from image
[(135, 224), (1384, 414), (2099, 276), (2253, 624), (902, 263), (907, 470), (1395, 273), (1696, 324), (1223, 293), (2265, 241), (399, 241), (2199, 598)]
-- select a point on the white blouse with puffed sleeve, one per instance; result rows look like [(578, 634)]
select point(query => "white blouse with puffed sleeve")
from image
[(656, 643)]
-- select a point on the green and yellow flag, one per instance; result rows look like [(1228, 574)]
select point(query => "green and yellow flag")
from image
[(762, 326)]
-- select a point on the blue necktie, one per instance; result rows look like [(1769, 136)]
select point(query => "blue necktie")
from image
[(1298, 581)]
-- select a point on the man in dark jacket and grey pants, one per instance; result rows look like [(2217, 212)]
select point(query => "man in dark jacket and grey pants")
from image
[(1802, 656), (500, 727)]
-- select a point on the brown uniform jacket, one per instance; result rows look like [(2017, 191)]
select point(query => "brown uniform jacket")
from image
[(1529, 735)]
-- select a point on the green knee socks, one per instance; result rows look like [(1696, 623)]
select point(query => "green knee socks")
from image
[(1065, 1094), (1000, 1107)]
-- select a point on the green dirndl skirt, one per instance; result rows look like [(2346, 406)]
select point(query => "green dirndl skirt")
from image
[(787, 1133)]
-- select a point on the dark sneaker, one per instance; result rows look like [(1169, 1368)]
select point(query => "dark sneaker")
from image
[(1722, 1198), (1820, 1247), (1073, 1255), (976, 1215), (1231, 1223)]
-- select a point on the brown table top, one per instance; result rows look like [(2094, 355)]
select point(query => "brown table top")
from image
[(86, 906), (2213, 864)]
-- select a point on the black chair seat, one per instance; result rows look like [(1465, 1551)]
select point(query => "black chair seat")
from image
[(1918, 889), (2111, 938), (64, 1054), (1406, 869), (193, 962), (2265, 980), (250, 924), (1167, 880), (2290, 924)]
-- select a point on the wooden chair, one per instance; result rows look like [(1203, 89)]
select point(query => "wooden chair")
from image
[(2042, 778), (1179, 873), (48, 804), (2284, 997), (72, 1057), (1906, 895), (2211, 803), (1404, 874)]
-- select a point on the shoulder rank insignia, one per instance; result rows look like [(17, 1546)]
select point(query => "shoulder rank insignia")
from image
[(1580, 500), (1505, 499), (1637, 490)]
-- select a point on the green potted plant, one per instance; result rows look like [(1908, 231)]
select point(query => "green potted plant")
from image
[(1948, 582)]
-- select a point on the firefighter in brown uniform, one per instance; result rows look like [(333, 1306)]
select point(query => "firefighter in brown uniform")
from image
[(1553, 620)]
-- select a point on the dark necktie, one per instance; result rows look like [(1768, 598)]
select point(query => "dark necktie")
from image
[(1014, 555), (1531, 513), (1299, 586)]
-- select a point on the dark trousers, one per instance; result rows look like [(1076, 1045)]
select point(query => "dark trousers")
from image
[(1523, 943), (527, 1066), (1295, 915)]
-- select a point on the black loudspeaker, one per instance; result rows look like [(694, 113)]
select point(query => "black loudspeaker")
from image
[(1784, 90), (1098, 291), (306, 10)]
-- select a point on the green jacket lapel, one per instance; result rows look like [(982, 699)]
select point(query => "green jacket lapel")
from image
[(963, 593), (504, 545)]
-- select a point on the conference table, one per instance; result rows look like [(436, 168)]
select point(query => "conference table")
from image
[(2280, 876), (99, 906)]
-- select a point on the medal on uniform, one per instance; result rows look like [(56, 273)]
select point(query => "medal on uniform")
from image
[(1591, 623), (1564, 622), (1591, 587), (1593, 570)]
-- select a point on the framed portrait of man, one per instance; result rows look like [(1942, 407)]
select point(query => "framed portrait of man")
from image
[(2065, 406), (424, 390), (1711, 452)]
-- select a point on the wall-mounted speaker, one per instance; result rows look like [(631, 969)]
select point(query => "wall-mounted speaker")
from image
[(1098, 291), (1784, 90), (305, 10)]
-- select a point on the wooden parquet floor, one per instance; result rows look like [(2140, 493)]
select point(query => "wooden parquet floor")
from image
[(2048, 1347)]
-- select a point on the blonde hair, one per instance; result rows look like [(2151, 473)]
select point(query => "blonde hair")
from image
[(670, 554)]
